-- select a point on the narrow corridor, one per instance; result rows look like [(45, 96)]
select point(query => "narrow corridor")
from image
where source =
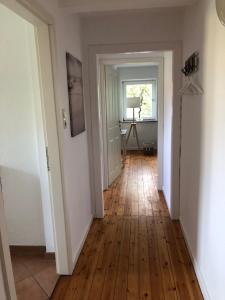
[(137, 251)]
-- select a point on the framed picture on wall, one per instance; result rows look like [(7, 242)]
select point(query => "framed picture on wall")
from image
[(75, 91)]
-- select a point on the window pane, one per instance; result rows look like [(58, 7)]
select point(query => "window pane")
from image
[(144, 91)]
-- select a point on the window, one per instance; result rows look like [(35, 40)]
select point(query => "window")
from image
[(147, 91)]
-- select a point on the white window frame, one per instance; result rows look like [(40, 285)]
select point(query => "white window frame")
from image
[(124, 83)]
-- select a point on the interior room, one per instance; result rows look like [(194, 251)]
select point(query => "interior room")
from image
[(23, 169), (112, 150)]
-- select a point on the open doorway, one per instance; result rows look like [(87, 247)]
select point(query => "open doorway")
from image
[(24, 166), (31, 187), (147, 78)]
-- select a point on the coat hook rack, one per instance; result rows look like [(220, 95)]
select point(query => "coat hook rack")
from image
[(191, 65)]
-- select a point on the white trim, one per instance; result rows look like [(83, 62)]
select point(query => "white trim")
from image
[(198, 272), (55, 174), (93, 105), (102, 96), (160, 150)]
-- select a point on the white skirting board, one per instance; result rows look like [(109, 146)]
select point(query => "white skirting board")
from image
[(198, 272), (77, 254)]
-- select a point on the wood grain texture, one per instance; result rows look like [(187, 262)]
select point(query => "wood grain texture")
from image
[(136, 252)]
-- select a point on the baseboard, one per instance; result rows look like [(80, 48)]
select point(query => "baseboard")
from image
[(77, 254), (198, 272)]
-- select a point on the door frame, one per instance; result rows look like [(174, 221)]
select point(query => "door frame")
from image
[(93, 105), (5, 260), (46, 44), (103, 61)]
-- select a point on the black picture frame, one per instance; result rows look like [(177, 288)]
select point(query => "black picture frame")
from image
[(75, 93)]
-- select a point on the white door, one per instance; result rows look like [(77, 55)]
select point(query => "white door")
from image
[(22, 137), (113, 130)]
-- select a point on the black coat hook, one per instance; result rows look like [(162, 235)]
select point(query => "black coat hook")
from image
[(191, 65)]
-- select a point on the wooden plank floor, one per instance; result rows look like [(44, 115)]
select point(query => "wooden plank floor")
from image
[(136, 251)]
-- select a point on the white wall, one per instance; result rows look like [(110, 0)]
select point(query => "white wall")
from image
[(147, 131), (19, 161), (203, 144), (168, 111), (139, 72), (151, 25), (152, 30), (74, 151)]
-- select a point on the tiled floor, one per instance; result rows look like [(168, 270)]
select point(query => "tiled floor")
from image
[(35, 274)]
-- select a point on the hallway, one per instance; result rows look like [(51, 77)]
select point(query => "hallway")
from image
[(136, 252)]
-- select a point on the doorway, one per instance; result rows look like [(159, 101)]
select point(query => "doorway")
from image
[(95, 123), (147, 77), (24, 164), (31, 187)]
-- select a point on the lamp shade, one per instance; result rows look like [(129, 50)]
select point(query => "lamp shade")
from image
[(134, 102)]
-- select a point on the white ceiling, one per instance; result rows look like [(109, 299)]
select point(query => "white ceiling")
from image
[(87, 6)]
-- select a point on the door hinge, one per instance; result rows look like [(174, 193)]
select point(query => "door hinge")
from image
[(47, 158), (1, 188)]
